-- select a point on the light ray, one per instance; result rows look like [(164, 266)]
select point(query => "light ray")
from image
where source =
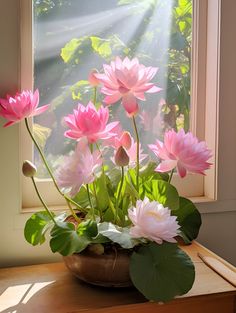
[(16, 295), (51, 36)]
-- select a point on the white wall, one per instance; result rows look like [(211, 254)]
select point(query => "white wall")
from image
[(219, 228)]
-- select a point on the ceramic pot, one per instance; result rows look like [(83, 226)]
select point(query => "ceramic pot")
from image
[(110, 269)]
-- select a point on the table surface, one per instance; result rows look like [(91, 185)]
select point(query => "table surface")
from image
[(50, 288)]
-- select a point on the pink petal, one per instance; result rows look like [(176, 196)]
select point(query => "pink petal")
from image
[(181, 170), (166, 166), (10, 123), (126, 140), (113, 98), (40, 110), (130, 104), (71, 134), (4, 103), (112, 126), (35, 100), (154, 89), (140, 95)]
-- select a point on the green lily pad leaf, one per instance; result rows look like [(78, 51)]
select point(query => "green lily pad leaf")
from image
[(148, 172), (117, 234), (66, 240), (88, 228), (189, 219), (185, 238), (102, 193), (161, 272), (61, 217), (36, 227), (163, 192), (82, 198), (100, 239), (129, 188), (114, 175), (101, 46), (70, 49)]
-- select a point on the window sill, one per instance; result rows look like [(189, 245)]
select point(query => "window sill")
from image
[(204, 204)]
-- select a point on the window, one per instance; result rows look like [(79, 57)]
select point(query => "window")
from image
[(213, 20), (70, 37)]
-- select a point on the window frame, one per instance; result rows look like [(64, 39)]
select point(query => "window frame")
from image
[(204, 103)]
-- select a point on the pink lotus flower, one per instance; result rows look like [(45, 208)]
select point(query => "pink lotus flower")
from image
[(127, 80), (183, 151), (23, 105), (90, 123), (78, 168), (153, 221)]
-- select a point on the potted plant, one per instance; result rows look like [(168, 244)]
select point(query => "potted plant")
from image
[(124, 214)]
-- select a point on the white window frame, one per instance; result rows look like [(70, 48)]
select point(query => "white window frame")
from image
[(204, 106)]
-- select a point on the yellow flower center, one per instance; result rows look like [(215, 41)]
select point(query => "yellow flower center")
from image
[(156, 215)]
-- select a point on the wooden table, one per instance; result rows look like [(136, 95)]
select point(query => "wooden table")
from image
[(51, 288)]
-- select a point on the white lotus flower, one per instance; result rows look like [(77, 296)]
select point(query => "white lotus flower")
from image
[(153, 221)]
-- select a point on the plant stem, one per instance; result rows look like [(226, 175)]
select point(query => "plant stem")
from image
[(94, 184), (43, 157), (90, 202), (103, 171), (72, 212), (137, 158), (47, 166), (73, 202), (42, 201), (171, 174), (95, 192), (119, 191), (95, 96)]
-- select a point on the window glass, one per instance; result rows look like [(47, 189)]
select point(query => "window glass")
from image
[(73, 36)]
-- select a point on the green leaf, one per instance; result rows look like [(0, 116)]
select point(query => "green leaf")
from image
[(163, 192), (161, 272), (102, 193), (66, 240), (88, 228), (147, 173), (101, 46), (36, 227), (114, 175), (117, 234), (189, 218), (129, 185), (82, 198), (100, 239), (182, 26), (79, 88), (68, 51)]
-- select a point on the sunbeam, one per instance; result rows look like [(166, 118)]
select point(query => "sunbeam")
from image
[(51, 36), (20, 294)]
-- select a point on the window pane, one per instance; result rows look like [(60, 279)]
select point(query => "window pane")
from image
[(73, 36)]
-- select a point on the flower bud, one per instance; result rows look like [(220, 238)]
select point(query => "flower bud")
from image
[(93, 79), (121, 157), (29, 169), (126, 140)]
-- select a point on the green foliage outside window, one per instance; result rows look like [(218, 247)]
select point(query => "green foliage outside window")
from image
[(62, 75)]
